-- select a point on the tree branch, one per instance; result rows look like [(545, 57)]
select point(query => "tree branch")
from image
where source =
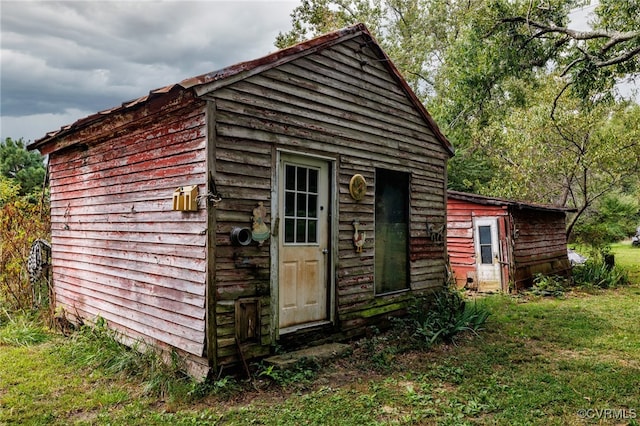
[(616, 36), (619, 59)]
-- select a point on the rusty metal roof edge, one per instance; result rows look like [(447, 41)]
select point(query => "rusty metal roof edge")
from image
[(100, 115), (194, 82), (496, 201), (322, 41), (272, 59)]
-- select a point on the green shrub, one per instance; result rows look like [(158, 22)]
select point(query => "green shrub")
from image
[(549, 285), (596, 273), (611, 219), (447, 315), (21, 223), (302, 373)]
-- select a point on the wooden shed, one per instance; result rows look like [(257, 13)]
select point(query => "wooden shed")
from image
[(500, 245), (289, 200)]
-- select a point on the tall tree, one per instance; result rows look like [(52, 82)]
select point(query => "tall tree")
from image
[(571, 161), (475, 62), (590, 60), (418, 36), (493, 39), (25, 168)]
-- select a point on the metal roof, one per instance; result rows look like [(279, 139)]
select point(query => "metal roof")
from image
[(495, 201), (206, 82)]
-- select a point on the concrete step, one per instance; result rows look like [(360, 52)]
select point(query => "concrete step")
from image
[(319, 354)]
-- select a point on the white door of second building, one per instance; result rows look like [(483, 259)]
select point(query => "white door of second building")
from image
[(488, 267)]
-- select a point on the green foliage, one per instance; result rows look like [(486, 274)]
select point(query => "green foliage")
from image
[(549, 285), (613, 218), (224, 387), (21, 223), (9, 189), (470, 170), (303, 372), (588, 76), (446, 316), (595, 273), (573, 160), (25, 168), (494, 74)]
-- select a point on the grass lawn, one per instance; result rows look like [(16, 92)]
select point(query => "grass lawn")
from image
[(551, 361)]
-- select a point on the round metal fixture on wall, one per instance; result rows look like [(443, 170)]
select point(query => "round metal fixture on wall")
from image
[(357, 187)]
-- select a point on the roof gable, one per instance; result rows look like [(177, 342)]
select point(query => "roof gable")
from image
[(206, 83)]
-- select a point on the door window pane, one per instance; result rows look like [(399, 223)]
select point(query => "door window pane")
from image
[(313, 181), (312, 231), (290, 177), (302, 179), (289, 230), (301, 231), (301, 205), (391, 231), (289, 204), (484, 234), (313, 206)]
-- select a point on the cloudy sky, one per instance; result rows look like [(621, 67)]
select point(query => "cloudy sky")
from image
[(62, 61)]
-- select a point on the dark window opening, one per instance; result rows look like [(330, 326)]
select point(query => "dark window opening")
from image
[(484, 233), (391, 231)]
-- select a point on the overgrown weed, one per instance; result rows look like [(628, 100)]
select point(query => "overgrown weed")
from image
[(21, 223), (445, 317), (97, 346), (222, 387), (22, 328), (300, 375), (442, 317), (595, 273), (549, 286)]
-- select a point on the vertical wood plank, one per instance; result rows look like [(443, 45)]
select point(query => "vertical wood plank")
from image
[(210, 291)]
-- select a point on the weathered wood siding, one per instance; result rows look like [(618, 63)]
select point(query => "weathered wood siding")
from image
[(460, 235), (532, 239), (340, 103), (119, 251), (540, 246)]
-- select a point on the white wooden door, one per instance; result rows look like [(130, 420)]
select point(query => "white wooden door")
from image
[(487, 254), (303, 243)]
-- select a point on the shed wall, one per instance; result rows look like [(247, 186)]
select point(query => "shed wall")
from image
[(341, 103), (119, 251), (540, 246), (460, 235)]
